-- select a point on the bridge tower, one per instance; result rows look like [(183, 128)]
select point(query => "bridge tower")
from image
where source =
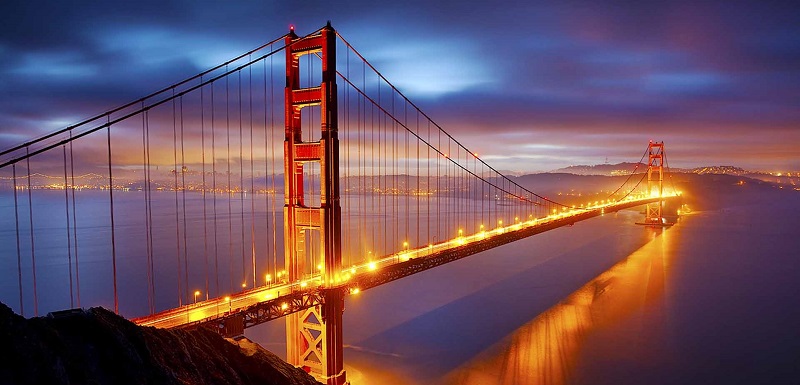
[(313, 336), (655, 183)]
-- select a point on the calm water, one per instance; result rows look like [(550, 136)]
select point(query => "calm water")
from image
[(188, 244), (713, 299)]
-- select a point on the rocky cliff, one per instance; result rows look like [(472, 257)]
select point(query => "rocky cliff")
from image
[(96, 346)]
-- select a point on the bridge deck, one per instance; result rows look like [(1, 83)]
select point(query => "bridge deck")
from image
[(229, 315)]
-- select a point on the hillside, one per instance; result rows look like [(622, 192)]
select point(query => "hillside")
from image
[(96, 346)]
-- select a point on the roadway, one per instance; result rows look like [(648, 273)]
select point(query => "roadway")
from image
[(261, 304)]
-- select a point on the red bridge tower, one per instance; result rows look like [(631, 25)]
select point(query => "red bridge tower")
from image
[(313, 336), (655, 184)]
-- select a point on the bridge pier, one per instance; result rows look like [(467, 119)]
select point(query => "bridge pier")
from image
[(314, 336)]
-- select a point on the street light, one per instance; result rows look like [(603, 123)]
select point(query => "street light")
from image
[(196, 293), (268, 279), (228, 300)]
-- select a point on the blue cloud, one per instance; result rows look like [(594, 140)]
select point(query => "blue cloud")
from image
[(683, 83)]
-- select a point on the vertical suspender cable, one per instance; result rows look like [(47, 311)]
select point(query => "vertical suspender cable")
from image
[(183, 205), (362, 231), (149, 211), (394, 159), (428, 186), (377, 176), (407, 189), (111, 209), (205, 187), (69, 242), (483, 199), (362, 209), (267, 162), (146, 211), (177, 211), (252, 181), (272, 162), (241, 179), (266, 171), (74, 224), (419, 195), (229, 190), (33, 252), (214, 192), (272, 148), (438, 189), (450, 196), (19, 253), (382, 175), (345, 93)]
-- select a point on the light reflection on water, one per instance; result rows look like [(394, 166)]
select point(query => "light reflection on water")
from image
[(547, 349), (712, 300)]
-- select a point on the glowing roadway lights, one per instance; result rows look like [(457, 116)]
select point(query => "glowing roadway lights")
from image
[(275, 288)]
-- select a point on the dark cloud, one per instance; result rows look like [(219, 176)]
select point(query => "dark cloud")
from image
[(558, 82)]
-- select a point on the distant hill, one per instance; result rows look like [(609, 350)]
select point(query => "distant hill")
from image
[(720, 170), (624, 168)]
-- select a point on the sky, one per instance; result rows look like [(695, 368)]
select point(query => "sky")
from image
[(532, 86)]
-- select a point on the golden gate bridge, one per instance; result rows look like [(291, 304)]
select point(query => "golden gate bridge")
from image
[(186, 199)]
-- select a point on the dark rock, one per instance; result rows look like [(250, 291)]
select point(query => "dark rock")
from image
[(96, 346)]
